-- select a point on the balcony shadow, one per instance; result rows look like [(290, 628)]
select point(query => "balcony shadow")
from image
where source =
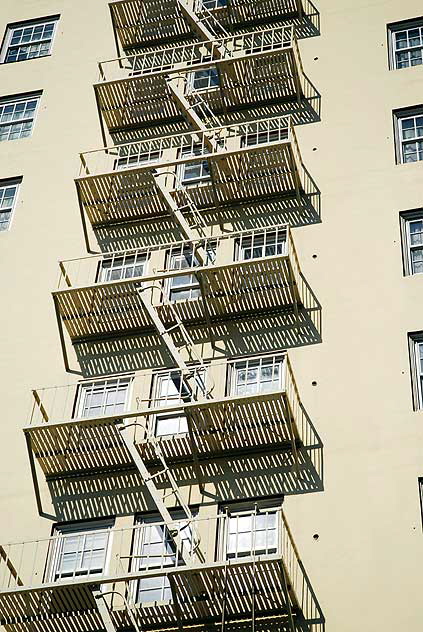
[(309, 25), (242, 336), (272, 470), (163, 230)]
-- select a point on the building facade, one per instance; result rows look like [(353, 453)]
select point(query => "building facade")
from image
[(233, 199)]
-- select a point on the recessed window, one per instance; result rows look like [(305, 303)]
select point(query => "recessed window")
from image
[(120, 267), (184, 286), (214, 4), (261, 244), (416, 364), (194, 172), (409, 135), (171, 389), (412, 241), (103, 398), (205, 79), (257, 137), (17, 115), (28, 40), (130, 156), (8, 196), (256, 375), (81, 550), (249, 531), (154, 548), (406, 44)]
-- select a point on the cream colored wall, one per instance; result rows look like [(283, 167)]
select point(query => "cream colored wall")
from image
[(46, 225), (364, 566)]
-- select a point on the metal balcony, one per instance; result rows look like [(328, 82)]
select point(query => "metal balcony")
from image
[(107, 294), (236, 164), (64, 438), (140, 24), (268, 580), (230, 74)]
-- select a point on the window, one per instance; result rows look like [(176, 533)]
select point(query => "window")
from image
[(131, 157), (412, 241), (406, 44), (17, 116), (409, 133), (80, 550), (265, 244), (8, 196), (194, 172), (171, 389), (256, 137), (214, 4), (185, 286), (256, 375), (154, 548), (122, 267), (416, 365), (107, 397), (204, 79), (250, 532), (27, 40)]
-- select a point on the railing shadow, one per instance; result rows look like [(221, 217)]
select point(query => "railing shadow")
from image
[(309, 25), (162, 230), (274, 331)]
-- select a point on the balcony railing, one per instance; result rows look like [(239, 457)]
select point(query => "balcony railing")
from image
[(138, 24), (41, 582), (241, 274), (248, 161), (215, 423), (135, 90)]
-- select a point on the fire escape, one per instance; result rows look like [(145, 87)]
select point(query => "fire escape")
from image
[(184, 103)]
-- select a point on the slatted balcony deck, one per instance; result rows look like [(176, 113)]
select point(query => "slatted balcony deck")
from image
[(246, 162), (205, 591), (135, 21), (253, 69), (218, 425), (92, 302)]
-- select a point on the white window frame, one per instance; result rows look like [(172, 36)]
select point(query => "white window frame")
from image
[(171, 400), (10, 30), (159, 560), (205, 175), (81, 529), (399, 27), (261, 240), (235, 515), (416, 349), (85, 387), (136, 159), (246, 364), (406, 219), (192, 285), (15, 100), (5, 184), (193, 77), (213, 5), (399, 117), (254, 138), (122, 262)]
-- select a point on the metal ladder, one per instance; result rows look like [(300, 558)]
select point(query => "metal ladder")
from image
[(211, 23)]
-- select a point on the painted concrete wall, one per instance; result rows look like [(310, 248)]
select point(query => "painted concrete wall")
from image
[(363, 566)]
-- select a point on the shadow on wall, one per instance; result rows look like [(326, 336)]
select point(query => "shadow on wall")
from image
[(124, 493), (163, 230), (309, 25), (246, 336)]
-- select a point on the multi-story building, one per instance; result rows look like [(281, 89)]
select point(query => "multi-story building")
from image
[(206, 455)]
